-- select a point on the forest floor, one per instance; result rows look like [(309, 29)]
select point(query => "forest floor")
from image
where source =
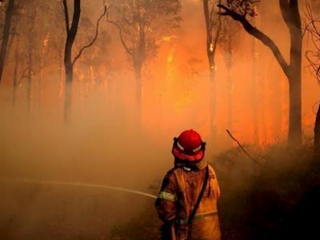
[(278, 200)]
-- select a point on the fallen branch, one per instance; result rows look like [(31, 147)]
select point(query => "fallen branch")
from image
[(243, 149)]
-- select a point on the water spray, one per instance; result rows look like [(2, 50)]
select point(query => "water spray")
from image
[(78, 184)]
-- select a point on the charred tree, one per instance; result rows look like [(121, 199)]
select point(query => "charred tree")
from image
[(313, 56), (138, 58), (30, 58), (71, 32), (292, 70), (317, 132), (255, 107), (229, 64), (6, 34), (229, 39), (15, 71), (213, 30)]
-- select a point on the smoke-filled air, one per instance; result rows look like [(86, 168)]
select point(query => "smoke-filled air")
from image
[(93, 93)]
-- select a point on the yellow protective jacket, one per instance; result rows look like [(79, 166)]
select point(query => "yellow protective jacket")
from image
[(180, 190)]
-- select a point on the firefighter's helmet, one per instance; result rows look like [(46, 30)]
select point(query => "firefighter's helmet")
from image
[(188, 146)]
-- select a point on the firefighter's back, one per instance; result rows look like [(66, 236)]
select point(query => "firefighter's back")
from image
[(188, 210), (205, 224)]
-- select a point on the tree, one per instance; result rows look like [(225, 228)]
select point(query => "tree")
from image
[(141, 23), (31, 38), (6, 34), (238, 11), (229, 40), (31, 44), (313, 56), (69, 63), (213, 31)]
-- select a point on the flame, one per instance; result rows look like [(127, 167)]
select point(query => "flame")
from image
[(211, 47), (168, 38), (214, 67), (46, 41), (170, 66), (170, 57)]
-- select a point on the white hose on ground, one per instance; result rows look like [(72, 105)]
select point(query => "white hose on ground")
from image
[(78, 184)]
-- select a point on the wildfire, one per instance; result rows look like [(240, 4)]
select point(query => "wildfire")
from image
[(170, 57), (211, 47), (168, 38), (214, 67), (46, 41)]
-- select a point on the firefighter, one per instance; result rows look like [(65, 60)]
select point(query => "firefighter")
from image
[(187, 202)]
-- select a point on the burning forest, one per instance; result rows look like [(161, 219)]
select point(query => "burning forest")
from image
[(92, 92)]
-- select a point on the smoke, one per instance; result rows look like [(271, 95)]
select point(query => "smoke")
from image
[(102, 145)]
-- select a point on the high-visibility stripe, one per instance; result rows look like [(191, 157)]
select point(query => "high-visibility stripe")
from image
[(205, 214), (168, 196), (196, 217)]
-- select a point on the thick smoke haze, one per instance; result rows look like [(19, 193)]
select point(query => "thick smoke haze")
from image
[(102, 144)]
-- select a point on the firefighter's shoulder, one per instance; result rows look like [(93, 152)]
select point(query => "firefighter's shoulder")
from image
[(168, 187), (171, 172), (169, 177), (212, 172)]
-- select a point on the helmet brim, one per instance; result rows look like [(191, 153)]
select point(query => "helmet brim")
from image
[(198, 156)]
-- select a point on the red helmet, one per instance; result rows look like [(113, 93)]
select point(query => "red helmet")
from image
[(188, 146)]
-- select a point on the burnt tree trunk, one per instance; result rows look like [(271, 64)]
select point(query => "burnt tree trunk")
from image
[(61, 83), (255, 107), (137, 65), (229, 64), (138, 60), (29, 74), (211, 46), (71, 32), (68, 63), (15, 72), (30, 59), (317, 133), (68, 66), (292, 18), (5, 35)]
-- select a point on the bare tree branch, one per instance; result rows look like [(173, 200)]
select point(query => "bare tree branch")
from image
[(243, 149), (257, 34), (119, 30), (313, 30), (94, 38)]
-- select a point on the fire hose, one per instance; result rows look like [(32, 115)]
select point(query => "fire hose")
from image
[(79, 184)]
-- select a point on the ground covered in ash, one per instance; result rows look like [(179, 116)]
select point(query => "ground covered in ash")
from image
[(278, 200)]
